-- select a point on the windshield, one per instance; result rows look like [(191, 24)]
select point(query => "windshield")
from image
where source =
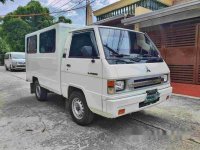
[(123, 46), (18, 56)]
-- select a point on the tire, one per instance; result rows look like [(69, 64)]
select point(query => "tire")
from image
[(10, 69), (40, 92), (79, 110), (6, 68)]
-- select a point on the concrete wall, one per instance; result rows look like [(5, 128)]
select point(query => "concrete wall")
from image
[(180, 1), (141, 10), (167, 2)]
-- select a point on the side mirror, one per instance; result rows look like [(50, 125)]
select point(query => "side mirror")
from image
[(86, 51)]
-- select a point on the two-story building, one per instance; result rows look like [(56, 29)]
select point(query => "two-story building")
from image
[(174, 25)]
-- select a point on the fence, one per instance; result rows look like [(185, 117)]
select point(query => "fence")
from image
[(1, 59)]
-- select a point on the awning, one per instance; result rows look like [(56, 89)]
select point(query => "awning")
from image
[(107, 20), (166, 15)]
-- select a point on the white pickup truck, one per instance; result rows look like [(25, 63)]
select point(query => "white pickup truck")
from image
[(101, 70)]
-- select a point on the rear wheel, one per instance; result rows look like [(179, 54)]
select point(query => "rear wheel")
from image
[(79, 110), (40, 92)]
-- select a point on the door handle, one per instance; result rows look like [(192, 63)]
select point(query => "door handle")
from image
[(68, 65), (92, 73)]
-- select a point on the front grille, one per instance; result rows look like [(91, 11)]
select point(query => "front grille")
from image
[(146, 82), (21, 63)]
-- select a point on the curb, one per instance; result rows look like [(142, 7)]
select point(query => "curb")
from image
[(180, 95)]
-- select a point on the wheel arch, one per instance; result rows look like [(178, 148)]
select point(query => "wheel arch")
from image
[(32, 85), (72, 88), (34, 79)]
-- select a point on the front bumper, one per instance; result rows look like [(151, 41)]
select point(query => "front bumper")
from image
[(19, 67), (131, 104)]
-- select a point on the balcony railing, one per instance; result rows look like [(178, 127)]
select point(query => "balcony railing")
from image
[(130, 9)]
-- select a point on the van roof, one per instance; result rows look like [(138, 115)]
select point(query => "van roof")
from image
[(62, 25), (100, 26), (75, 26)]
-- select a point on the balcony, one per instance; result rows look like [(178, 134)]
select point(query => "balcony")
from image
[(130, 9)]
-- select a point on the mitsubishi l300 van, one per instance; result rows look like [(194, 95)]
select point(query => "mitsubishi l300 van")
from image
[(100, 70)]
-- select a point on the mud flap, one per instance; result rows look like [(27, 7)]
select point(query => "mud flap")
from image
[(32, 88)]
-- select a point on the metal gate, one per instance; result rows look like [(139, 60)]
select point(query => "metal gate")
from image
[(179, 45), (180, 52), (198, 55)]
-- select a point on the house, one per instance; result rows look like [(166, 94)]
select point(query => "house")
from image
[(174, 26)]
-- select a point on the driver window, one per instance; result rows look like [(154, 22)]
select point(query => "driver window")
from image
[(82, 43)]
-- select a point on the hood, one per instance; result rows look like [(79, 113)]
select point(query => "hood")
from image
[(123, 71)]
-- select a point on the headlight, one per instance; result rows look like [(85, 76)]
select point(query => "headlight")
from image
[(119, 85), (164, 78), (115, 86)]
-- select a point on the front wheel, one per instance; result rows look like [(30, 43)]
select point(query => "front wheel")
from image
[(6, 68), (40, 92), (79, 110), (10, 68)]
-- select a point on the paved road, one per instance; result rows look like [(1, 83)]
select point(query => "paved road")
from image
[(26, 123)]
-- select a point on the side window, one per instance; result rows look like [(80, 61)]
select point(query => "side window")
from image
[(32, 44), (48, 41), (83, 45)]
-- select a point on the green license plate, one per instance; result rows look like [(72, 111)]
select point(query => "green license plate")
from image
[(152, 96)]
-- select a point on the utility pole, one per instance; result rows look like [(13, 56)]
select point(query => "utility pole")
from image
[(89, 17)]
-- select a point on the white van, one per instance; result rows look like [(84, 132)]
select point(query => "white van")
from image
[(14, 61), (101, 70)]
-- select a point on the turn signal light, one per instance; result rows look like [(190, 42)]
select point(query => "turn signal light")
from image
[(121, 111), (111, 83), (111, 86)]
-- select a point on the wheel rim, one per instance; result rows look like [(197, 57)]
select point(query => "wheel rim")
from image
[(77, 108), (38, 90)]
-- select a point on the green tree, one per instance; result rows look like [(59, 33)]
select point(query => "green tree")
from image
[(14, 32), (36, 22), (15, 28), (64, 20), (4, 47)]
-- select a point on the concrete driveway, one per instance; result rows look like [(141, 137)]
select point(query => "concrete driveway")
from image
[(26, 123)]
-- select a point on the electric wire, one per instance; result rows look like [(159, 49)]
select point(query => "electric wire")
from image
[(42, 14), (58, 15)]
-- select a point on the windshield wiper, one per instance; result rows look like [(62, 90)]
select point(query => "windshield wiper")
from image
[(120, 60), (149, 58), (136, 59), (154, 59), (113, 51)]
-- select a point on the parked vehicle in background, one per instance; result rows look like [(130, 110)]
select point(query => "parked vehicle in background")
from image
[(15, 61), (103, 70)]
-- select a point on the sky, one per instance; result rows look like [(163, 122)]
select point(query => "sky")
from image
[(77, 16)]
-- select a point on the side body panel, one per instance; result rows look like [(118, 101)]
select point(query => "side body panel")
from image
[(46, 66), (83, 74)]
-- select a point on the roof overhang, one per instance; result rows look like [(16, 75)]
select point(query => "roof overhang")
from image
[(166, 15), (110, 19), (123, 3)]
